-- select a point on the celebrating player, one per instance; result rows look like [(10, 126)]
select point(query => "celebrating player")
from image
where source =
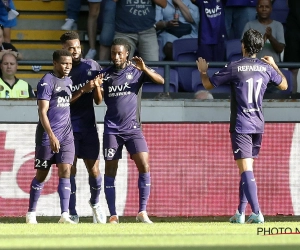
[(122, 85), (248, 78), (85, 91), (54, 137)]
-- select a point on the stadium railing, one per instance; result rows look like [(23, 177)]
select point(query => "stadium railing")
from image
[(167, 65)]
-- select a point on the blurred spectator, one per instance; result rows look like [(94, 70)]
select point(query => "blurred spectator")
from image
[(237, 14), (178, 20), (203, 95), (73, 9), (7, 47), (272, 31), (5, 6), (135, 22), (292, 38), (10, 86), (108, 13), (212, 32)]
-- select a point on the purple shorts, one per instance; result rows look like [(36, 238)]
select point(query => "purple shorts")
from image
[(45, 157), (245, 145), (113, 145), (87, 145)]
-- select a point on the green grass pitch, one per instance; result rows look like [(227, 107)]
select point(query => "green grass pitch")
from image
[(180, 234)]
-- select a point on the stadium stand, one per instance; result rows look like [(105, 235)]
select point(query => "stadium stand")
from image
[(280, 11), (152, 87), (197, 84), (184, 50), (233, 50), (37, 34)]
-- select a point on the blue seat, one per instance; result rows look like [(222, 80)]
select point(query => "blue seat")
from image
[(280, 11), (185, 50), (160, 50), (233, 50), (197, 83), (153, 87), (289, 77)]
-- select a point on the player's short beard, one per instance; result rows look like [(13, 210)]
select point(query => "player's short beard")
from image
[(121, 66), (77, 60)]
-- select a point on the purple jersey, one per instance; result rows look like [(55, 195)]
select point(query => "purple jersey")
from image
[(122, 95), (248, 78), (212, 21), (58, 92), (82, 110)]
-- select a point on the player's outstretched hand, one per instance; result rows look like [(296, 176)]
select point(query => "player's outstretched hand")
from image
[(202, 65), (138, 63), (268, 60)]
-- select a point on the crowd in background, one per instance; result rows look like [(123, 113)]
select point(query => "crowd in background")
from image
[(151, 27)]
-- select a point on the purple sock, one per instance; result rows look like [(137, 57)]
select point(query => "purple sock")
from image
[(35, 192), (250, 190), (95, 188), (144, 184), (72, 203), (243, 199), (64, 191), (110, 194)]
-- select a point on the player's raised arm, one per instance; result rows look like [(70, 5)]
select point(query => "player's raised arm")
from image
[(155, 77), (269, 59), (202, 67), (42, 111)]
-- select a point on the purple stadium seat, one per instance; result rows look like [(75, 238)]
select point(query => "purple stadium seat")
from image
[(197, 84), (160, 50), (233, 50), (280, 11), (185, 50), (289, 77), (153, 87)]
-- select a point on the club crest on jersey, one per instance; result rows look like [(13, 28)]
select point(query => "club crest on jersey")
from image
[(129, 76), (89, 73)]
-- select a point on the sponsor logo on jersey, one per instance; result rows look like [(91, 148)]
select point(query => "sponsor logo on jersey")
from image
[(119, 90), (44, 84), (214, 12), (63, 101)]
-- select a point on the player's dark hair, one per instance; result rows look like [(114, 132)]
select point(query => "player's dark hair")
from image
[(70, 35), (57, 54), (253, 41), (123, 42)]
